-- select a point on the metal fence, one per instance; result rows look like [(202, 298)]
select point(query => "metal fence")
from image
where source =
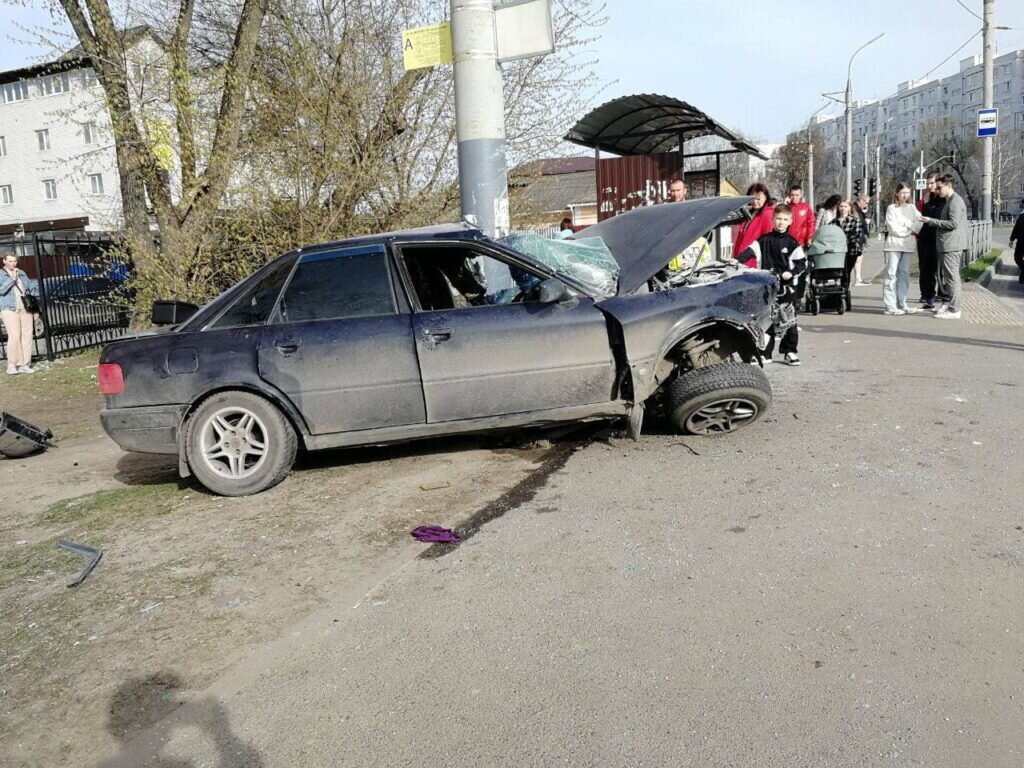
[(83, 289), (979, 241)]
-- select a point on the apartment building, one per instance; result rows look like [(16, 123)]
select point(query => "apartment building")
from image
[(58, 167), (895, 122)]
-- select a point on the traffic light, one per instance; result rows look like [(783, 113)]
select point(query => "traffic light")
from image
[(873, 187), (857, 186)]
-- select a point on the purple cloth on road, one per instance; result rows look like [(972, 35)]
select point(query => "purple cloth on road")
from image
[(435, 533)]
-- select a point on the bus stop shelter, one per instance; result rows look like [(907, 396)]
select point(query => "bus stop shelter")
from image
[(648, 133)]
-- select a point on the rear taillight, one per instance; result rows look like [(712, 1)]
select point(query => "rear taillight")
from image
[(111, 379)]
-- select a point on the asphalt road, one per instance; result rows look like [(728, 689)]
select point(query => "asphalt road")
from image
[(838, 586)]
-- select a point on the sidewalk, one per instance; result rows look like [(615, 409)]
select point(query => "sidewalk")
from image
[(1004, 283), (1002, 303)]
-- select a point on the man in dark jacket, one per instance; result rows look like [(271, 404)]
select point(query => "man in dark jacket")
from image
[(929, 205), (1017, 243), (779, 253)]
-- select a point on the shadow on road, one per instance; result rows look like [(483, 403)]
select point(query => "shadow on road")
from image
[(152, 469), (861, 331), (142, 702)]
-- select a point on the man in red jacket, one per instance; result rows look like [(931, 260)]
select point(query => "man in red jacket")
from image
[(802, 228)]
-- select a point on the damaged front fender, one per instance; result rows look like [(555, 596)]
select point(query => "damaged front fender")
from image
[(731, 316)]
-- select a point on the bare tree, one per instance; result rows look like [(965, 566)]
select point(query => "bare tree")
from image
[(183, 222)]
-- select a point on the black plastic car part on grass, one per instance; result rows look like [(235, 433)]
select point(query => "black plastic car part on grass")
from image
[(442, 331)]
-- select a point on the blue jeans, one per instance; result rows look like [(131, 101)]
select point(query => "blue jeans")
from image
[(896, 279)]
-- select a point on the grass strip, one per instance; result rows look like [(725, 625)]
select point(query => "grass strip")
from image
[(977, 268)]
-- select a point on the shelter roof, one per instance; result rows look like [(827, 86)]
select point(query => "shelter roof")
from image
[(645, 124)]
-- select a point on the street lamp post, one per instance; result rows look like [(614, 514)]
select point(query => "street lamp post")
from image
[(810, 156), (849, 116)]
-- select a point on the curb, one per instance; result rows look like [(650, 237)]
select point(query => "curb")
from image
[(996, 267)]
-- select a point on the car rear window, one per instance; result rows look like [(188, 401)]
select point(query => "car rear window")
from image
[(337, 285)]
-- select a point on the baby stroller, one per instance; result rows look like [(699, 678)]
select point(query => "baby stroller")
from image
[(828, 284)]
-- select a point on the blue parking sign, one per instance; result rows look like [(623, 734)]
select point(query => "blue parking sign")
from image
[(988, 122)]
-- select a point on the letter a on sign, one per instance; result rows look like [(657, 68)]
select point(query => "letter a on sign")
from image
[(427, 46)]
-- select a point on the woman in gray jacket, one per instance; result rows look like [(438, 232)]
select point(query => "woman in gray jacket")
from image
[(14, 284)]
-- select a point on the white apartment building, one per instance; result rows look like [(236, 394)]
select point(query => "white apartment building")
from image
[(894, 123), (58, 167), (58, 170)]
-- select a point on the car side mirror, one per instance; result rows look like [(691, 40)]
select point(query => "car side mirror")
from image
[(552, 291), (172, 312)]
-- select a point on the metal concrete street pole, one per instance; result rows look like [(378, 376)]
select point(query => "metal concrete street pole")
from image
[(849, 117), (988, 47), (810, 155), (878, 184), (479, 116), (810, 171)]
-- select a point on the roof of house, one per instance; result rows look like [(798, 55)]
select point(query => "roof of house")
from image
[(74, 58), (556, 192), (552, 166)]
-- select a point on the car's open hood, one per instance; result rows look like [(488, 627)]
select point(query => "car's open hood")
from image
[(645, 240)]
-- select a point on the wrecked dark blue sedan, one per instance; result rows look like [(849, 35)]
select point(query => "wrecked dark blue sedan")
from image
[(441, 331)]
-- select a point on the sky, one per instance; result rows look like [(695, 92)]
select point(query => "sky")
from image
[(757, 66)]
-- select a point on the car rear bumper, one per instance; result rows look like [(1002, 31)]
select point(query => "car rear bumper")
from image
[(151, 429)]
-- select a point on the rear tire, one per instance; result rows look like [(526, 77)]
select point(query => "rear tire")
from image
[(717, 400), (237, 444)]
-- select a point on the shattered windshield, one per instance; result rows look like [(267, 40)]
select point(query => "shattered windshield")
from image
[(587, 260)]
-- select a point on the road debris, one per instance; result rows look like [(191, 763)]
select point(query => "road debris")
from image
[(435, 486), (435, 534), (19, 438), (94, 556)]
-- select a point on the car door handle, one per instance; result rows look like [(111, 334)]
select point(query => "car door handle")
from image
[(438, 334), (287, 346)]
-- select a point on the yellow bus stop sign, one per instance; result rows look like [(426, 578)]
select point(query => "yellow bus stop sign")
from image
[(427, 46)]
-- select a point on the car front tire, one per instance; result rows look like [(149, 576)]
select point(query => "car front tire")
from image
[(717, 399), (238, 444)]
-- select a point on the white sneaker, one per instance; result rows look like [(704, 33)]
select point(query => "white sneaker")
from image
[(12, 371), (947, 315), (790, 358), (26, 369), (942, 308), (911, 310), (860, 283), (895, 312)]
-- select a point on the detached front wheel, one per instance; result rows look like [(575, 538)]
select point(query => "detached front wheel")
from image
[(238, 444), (717, 399)]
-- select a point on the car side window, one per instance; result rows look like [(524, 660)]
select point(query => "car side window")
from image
[(256, 303), (338, 284), (455, 277)]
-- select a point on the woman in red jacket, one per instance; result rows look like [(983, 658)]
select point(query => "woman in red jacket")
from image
[(762, 209)]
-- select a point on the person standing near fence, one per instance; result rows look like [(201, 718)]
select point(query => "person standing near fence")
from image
[(18, 322), (950, 243), (931, 205), (902, 222)]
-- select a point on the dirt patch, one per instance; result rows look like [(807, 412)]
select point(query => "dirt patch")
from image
[(61, 396), (189, 582)]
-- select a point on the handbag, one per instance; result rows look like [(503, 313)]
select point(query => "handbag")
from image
[(30, 302)]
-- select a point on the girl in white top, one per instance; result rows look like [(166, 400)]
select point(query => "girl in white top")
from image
[(903, 221)]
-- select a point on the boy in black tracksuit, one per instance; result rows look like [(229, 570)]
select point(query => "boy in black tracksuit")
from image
[(780, 253)]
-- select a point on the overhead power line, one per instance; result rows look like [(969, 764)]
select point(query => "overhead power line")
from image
[(954, 53)]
